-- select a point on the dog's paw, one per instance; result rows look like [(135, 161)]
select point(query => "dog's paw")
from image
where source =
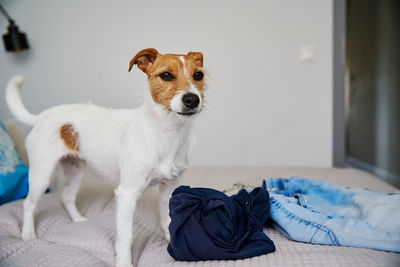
[(167, 235), (79, 219), (123, 264), (28, 235)]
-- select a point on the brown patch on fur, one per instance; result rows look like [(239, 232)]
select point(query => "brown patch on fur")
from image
[(70, 137), (153, 64)]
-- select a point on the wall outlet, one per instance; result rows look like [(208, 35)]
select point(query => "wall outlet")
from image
[(307, 54)]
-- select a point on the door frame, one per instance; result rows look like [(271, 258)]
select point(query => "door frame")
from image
[(339, 69)]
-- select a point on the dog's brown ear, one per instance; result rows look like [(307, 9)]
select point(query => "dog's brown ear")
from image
[(197, 57), (144, 58)]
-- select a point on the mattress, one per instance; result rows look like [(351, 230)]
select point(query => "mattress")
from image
[(64, 243)]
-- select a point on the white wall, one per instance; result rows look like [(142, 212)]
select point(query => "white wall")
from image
[(265, 107)]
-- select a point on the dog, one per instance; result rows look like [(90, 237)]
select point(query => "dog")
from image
[(134, 147)]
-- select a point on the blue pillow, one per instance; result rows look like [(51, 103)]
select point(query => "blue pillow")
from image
[(13, 171)]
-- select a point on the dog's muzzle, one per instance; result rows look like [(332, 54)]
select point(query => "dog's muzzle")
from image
[(190, 103)]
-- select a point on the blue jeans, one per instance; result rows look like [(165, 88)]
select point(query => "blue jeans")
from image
[(320, 212)]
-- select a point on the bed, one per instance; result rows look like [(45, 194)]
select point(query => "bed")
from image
[(90, 243)]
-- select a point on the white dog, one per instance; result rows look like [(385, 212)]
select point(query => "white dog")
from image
[(135, 147)]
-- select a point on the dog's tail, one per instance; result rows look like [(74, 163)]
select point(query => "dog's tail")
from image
[(14, 101)]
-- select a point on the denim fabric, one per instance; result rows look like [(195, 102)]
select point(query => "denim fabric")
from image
[(206, 224), (320, 212)]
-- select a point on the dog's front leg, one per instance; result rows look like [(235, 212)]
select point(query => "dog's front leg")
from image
[(126, 198), (166, 190)]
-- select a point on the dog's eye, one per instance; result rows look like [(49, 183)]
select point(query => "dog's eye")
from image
[(167, 76), (198, 76)]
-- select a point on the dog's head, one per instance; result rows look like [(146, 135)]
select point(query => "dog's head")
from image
[(176, 81)]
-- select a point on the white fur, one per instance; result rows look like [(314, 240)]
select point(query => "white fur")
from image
[(192, 88), (185, 72), (133, 147), (15, 103)]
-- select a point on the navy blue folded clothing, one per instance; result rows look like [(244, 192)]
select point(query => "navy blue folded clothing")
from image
[(206, 224)]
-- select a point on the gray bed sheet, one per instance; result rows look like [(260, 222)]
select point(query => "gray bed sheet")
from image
[(63, 243)]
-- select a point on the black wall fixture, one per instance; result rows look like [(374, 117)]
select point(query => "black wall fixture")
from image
[(14, 41)]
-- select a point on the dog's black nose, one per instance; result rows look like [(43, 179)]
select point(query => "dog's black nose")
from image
[(190, 100)]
